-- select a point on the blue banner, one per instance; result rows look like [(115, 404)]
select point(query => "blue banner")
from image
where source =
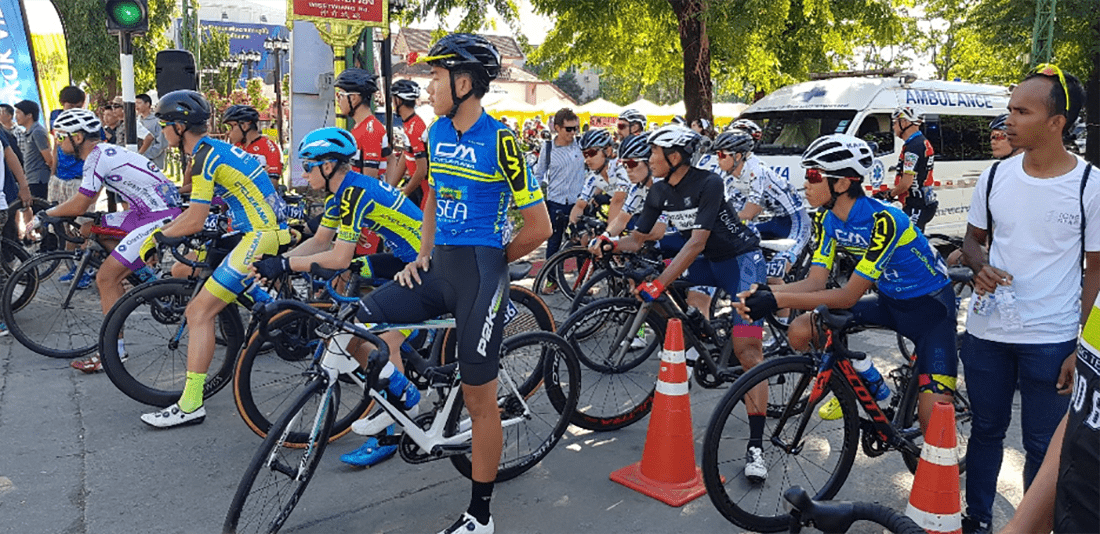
[(249, 37), (17, 74)]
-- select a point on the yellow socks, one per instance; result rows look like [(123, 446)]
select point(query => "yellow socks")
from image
[(192, 392)]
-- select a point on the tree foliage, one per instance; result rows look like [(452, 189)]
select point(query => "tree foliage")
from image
[(93, 54)]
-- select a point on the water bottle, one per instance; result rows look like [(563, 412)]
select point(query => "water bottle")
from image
[(872, 378), (984, 304), (145, 273), (1006, 305)]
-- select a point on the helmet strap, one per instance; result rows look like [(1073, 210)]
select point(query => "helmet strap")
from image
[(455, 100), (328, 177)]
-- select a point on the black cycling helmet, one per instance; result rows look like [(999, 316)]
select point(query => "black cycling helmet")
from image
[(359, 81), (595, 138), (186, 106), (999, 122), (466, 53), (241, 113), (406, 90), (733, 142)]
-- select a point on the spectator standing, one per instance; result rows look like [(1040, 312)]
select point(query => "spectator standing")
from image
[(1023, 321), (152, 143), (114, 131), (7, 133), (561, 169), (34, 143), (67, 169)]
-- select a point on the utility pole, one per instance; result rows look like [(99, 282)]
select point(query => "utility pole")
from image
[(1042, 35)]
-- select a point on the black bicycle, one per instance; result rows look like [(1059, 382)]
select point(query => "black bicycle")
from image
[(838, 517)]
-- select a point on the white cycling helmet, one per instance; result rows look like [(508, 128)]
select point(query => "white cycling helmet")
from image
[(912, 114), (675, 136), (77, 120), (839, 155), (747, 126), (632, 116)]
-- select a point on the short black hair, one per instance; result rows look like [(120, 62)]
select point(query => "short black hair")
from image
[(8, 108), (854, 191), (71, 95), (28, 107), (480, 89), (563, 115), (144, 98), (1056, 104)]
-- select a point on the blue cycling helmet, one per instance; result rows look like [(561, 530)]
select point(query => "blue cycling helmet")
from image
[(328, 144)]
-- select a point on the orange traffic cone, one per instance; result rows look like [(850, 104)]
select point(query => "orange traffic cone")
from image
[(667, 471), (934, 502)]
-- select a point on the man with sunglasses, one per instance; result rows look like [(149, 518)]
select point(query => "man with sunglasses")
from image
[(561, 169), (913, 186), (243, 122), (354, 90), (998, 139), (606, 178), (914, 296), (1035, 203), (631, 122)]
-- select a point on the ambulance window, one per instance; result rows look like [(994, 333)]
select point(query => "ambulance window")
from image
[(958, 137), (790, 132), (876, 129)]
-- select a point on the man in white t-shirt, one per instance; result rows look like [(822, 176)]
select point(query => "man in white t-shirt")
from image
[(1035, 205)]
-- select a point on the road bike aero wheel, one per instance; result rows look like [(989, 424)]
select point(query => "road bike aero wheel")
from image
[(603, 284), (963, 418), (151, 318), (822, 459), (49, 316), (616, 385), (531, 312), (536, 392), (12, 255), (278, 475), (267, 381), (568, 270)]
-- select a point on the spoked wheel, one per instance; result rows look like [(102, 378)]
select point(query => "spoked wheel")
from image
[(561, 276), (278, 475), (49, 316)]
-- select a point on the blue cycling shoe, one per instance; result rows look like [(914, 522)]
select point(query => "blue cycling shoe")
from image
[(370, 453)]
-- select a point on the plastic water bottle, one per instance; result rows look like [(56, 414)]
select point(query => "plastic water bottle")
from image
[(1006, 305), (984, 303), (875, 384)]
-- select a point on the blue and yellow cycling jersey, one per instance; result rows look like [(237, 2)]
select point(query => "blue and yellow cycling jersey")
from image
[(475, 176), (364, 201), (895, 254), (223, 170)]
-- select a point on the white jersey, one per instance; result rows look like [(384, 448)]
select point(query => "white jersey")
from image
[(767, 190), (635, 199), (709, 163), (133, 176), (733, 193), (615, 181)]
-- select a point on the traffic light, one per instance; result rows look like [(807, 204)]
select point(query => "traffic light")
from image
[(131, 16)]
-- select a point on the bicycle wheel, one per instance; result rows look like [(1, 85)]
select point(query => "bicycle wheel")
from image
[(963, 417), (531, 313), (151, 318), (616, 385), (568, 270), (48, 316), (267, 381), (603, 284), (536, 392), (12, 256), (278, 475), (820, 461)]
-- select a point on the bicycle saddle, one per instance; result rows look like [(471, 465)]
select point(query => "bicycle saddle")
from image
[(825, 516), (777, 245)]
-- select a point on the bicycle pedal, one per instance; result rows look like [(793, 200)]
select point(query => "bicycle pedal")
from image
[(385, 441)]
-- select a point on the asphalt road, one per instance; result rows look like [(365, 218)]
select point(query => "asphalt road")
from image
[(75, 459)]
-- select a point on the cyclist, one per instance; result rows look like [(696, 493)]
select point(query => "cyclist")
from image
[(153, 201), (415, 162), (355, 201), (243, 122), (913, 185), (914, 295), (477, 170), (631, 122), (719, 251), (356, 87), (604, 175), (998, 138), (634, 152), (256, 210)]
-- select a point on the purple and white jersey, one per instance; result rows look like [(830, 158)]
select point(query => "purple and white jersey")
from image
[(131, 175)]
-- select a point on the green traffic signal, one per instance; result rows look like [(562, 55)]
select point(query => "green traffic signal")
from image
[(129, 16), (126, 13)]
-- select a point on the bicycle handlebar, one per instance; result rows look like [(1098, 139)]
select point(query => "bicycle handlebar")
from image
[(57, 223), (839, 516)]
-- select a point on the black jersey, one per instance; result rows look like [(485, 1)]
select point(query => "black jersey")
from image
[(1077, 502), (917, 158), (699, 202)]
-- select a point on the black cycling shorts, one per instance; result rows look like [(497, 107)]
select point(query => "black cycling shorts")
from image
[(469, 282)]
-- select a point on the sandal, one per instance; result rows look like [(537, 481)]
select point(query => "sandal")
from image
[(89, 365)]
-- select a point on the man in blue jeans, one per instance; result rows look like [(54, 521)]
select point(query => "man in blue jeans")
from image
[(1023, 320)]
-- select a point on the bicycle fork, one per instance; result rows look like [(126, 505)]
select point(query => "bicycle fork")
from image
[(85, 259), (626, 335)]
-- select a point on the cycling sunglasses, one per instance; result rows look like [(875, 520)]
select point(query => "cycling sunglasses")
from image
[(998, 136), (308, 166), (1052, 70), (630, 163), (815, 176), (590, 152)]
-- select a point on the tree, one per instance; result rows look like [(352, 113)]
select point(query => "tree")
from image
[(93, 54), (567, 82)]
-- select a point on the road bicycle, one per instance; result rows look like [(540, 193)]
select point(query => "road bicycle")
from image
[(838, 517), (537, 390), (799, 446), (560, 276)]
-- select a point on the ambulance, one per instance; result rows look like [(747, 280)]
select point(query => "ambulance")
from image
[(956, 122)]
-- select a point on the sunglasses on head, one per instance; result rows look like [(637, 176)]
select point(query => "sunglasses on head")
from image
[(1052, 70), (630, 163), (998, 136), (308, 166), (590, 152)]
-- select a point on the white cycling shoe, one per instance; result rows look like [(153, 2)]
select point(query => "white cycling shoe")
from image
[(174, 416), (468, 525)]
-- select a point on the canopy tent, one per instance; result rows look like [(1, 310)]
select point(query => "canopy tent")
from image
[(516, 111), (676, 109), (601, 107)]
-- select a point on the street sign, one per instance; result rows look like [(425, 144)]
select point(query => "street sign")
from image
[(359, 12)]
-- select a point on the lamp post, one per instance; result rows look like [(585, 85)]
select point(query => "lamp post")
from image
[(231, 65), (275, 45), (249, 58)]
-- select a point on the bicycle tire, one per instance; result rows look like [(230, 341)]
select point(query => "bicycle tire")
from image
[(265, 382), (254, 492), (12, 255), (603, 284), (546, 374), (155, 370), (614, 394), (726, 439), (35, 316), (533, 313), (569, 268), (963, 418)]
